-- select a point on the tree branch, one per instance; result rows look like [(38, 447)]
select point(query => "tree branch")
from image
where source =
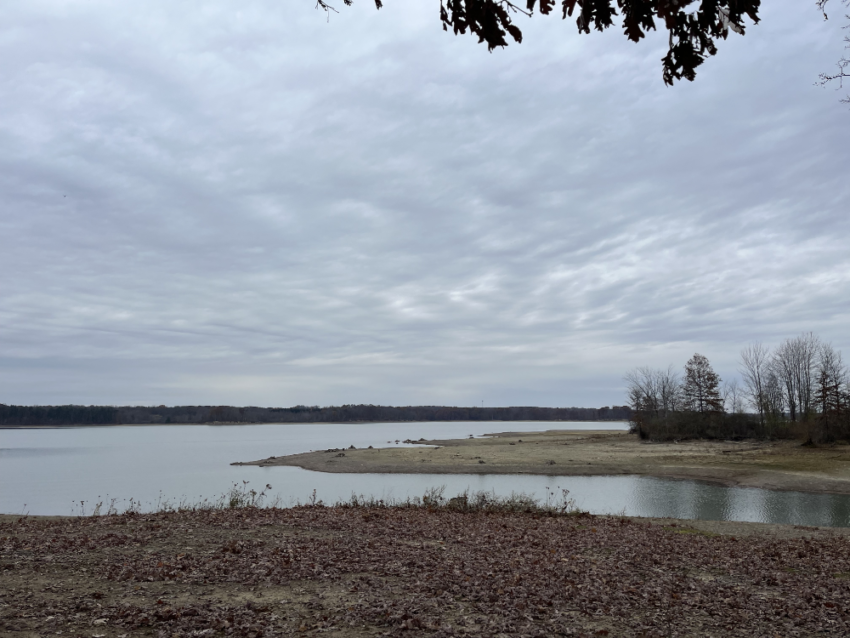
[(844, 63)]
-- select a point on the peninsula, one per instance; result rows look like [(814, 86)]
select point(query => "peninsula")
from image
[(778, 465)]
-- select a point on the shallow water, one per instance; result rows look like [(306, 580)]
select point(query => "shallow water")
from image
[(65, 471)]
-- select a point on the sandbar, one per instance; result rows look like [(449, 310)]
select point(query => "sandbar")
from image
[(775, 465)]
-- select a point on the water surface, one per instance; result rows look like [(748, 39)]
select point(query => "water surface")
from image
[(64, 471)]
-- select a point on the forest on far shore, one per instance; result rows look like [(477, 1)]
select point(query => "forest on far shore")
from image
[(58, 415)]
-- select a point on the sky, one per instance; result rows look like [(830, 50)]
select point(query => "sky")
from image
[(253, 203)]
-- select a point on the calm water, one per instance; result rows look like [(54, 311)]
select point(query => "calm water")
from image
[(52, 471)]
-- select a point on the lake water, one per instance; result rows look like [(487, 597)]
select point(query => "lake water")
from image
[(66, 471)]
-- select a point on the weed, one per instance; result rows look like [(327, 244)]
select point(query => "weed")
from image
[(434, 499), (242, 495), (238, 496)]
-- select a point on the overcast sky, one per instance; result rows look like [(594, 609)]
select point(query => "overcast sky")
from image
[(231, 202)]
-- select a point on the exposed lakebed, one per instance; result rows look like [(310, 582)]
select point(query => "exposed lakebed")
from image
[(50, 471)]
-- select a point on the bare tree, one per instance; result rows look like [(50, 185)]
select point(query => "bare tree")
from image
[(782, 367), (670, 390), (733, 397), (774, 398), (654, 390), (755, 366), (794, 363), (653, 393), (643, 396), (642, 391)]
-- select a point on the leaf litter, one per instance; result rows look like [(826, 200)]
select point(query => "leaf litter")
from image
[(367, 569)]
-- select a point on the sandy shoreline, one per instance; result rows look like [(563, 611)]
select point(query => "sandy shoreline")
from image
[(775, 465)]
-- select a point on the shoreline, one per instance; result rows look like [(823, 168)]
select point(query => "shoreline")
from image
[(771, 465), (739, 529)]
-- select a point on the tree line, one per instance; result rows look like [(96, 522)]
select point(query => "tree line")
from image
[(58, 415), (13, 415), (800, 389)]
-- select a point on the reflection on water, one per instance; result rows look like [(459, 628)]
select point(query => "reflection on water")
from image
[(51, 471), (692, 499)]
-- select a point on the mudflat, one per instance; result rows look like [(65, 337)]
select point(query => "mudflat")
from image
[(779, 465)]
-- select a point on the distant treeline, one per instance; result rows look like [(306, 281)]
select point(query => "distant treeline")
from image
[(105, 415)]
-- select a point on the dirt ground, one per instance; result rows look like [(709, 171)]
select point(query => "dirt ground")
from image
[(356, 572), (781, 465)]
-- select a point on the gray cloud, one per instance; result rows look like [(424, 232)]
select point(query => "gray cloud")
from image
[(215, 203)]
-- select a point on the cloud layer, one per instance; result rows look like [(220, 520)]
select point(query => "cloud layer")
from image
[(221, 203)]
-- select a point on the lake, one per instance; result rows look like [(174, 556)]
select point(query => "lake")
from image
[(68, 470)]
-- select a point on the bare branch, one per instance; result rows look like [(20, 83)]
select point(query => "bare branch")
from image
[(844, 63)]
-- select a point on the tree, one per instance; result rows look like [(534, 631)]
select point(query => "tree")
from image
[(654, 391), (653, 394), (774, 399), (733, 397), (794, 364), (693, 31), (755, 365), (701, 386), (831, 391)]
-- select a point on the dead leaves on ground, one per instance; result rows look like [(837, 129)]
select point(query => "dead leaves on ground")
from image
[(396, 571)]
